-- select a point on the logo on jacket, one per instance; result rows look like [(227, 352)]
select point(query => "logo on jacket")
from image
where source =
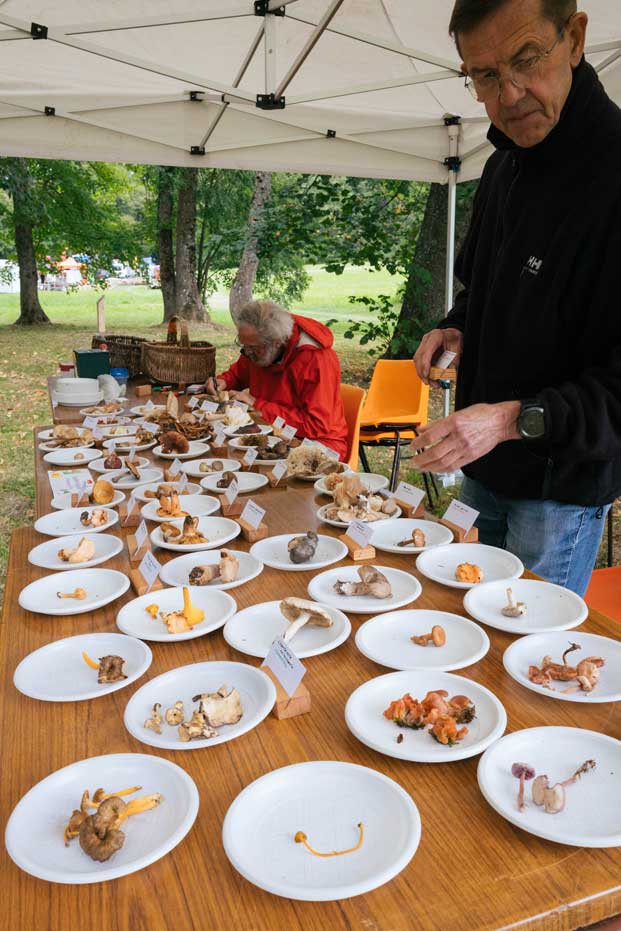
[(533, 266)]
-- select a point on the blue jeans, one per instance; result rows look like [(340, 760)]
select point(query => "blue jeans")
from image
[(557, 541)]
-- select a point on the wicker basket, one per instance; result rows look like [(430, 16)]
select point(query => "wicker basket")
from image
[(125, 351), (179, 363)]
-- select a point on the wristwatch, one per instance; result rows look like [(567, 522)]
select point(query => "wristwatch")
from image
[(531, 422)]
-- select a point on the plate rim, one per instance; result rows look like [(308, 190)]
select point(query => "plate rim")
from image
[(199, 546), (355, 610), (343, 526), (302, 567), (414, 550), (84, 609), (465, 586), (242, 491), (193, 634), (524, 631), (224, 586), (161, 520), (347, 629), (66, 566), (111, 522)]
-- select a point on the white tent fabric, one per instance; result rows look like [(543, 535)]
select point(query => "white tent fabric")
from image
[(367, 83)]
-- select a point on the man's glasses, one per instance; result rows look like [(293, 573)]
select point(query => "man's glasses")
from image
[(521, 73), (249, 351)]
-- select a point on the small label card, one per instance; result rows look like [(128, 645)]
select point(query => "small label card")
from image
[(175, 467), (231, 492), (285, 665), (241, 404), (141, 534), (200, 415), (132, 453), (446, 359), (193, 389), (90, 423), (150, 427), (219, 436), (210, 407), (279, 470), (192, 403), (98, 433), (149, 568), (183, 482), (252, 514), (278, 423), (360, 532), (250, 456), (461, 514), (111, 445), (149, 405), (131, 504), (331, 453), (307, 442), (70, 480), (289, 432), (409, 494)]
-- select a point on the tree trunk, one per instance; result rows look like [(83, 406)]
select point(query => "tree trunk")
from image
[(241, 291), (21, 183), (423, 299), (189, 304), (165, 206)]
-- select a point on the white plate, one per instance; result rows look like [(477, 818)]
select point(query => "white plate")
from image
[(67, 522), (63, 501), (110, 415), (527, 651), (34, 833), (67, 457), (321, 515), (57, 672), (405, 589), (191, 489), (326, 800), (257, 692), (364, 716), (53, 447), (101, 585), (79, 400), (124, 479), (373, 482), (123, 443), (47, 435), (549, 607), (218, 530), (246, 481), (195, 505), (142, 411), (440, 562), (273, 552), (98, 465), (134, 619), (254, 629), (193, 468), (176, 571), (119, 430), (386, 639), (592, 814), (387, 536), (264, 429), (45, 554), (196, 449)]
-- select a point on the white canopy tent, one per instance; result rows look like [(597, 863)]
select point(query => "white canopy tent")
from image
[(348, 87)]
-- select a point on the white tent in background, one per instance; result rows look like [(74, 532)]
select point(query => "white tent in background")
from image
[(349, 87)]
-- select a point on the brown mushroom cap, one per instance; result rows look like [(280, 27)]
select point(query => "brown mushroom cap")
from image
[(291, 608)]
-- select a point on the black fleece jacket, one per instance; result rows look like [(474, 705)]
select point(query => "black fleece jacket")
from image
[(541, 309)]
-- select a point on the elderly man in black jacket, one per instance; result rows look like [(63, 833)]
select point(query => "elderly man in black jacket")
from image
[(537, 330)]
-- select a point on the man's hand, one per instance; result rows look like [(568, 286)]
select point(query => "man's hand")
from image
[(431, 348), (244, 396), (466, 435), (213, 385)]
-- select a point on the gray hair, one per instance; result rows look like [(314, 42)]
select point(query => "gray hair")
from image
[(272, 322)]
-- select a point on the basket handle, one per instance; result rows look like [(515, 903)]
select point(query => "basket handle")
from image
[(185, 338)]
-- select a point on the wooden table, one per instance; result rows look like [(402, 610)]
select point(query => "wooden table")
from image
[(472, 870)]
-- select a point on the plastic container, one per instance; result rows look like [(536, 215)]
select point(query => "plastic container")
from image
[(121, 375)]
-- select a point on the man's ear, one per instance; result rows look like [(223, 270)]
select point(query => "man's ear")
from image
[(576, 34)]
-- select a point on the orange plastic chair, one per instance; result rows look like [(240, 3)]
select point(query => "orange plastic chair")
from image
[(353, 399), (604, 592), (396, 405)]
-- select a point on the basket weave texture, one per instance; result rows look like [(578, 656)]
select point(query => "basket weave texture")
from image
[(184, 362)]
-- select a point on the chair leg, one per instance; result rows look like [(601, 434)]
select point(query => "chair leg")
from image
[(426, 478), (396, 461), (363, 457), (611, 541)]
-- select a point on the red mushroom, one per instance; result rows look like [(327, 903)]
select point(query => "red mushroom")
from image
[(523, 772)]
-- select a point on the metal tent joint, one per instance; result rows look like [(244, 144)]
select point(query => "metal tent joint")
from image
[(197, 150), (49, 111), (262, 8), (197, 95), (270, 102), (331, 134), (37, 31), (453, 163), (452, 120)]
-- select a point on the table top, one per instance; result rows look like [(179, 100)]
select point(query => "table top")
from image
[(473, 870)]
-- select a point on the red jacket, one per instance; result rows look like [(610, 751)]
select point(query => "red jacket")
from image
[(303, 388)]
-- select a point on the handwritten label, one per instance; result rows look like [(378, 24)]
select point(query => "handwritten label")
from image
[(409, 494), (278, 423), (175, 468), (193, 402), (250, 456), (192, 389), (141, 534), (241, 405), (446, 359), (148, 406), (64, 481), (461, 514), (151, 428), (98, 433), (210, 407), (307, 442), (149, 568), (252, 514), (231, 492), (219, 437), (285, 665), (90, 423), (288, 432), (279, 470), (360, 532)]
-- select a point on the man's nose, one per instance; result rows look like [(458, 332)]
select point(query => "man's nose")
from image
[(510, 93)]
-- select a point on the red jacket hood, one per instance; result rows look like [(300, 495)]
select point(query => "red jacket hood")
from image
[(316, 330)]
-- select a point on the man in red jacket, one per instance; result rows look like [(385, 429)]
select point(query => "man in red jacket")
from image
[(287, 368)]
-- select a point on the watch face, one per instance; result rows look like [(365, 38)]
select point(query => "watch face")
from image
[(532, 422)]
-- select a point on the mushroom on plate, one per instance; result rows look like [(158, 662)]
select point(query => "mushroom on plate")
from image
[(302, 549), (84, 552), (299, 611), (372, 582), (524, 773)]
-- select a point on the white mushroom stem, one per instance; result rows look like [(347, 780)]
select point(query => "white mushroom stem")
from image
[(296, 625)]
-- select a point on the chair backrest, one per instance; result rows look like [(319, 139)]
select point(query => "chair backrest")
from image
[(353, 400), (396, 394)]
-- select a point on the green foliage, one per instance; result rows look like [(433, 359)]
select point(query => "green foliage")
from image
[(379, 331)]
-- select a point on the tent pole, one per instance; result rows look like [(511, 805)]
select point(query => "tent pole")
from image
[(453, 164)]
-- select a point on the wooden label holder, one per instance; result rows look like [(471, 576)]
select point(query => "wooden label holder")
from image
[(409, 511), (139, 584), (289, 706), (459, 534), (282, 482), (135, 552), (252, 534), (221, 452), (142, 391), (357, 552), (438, 374), (129, 520), (80, 500), (231, 510)]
